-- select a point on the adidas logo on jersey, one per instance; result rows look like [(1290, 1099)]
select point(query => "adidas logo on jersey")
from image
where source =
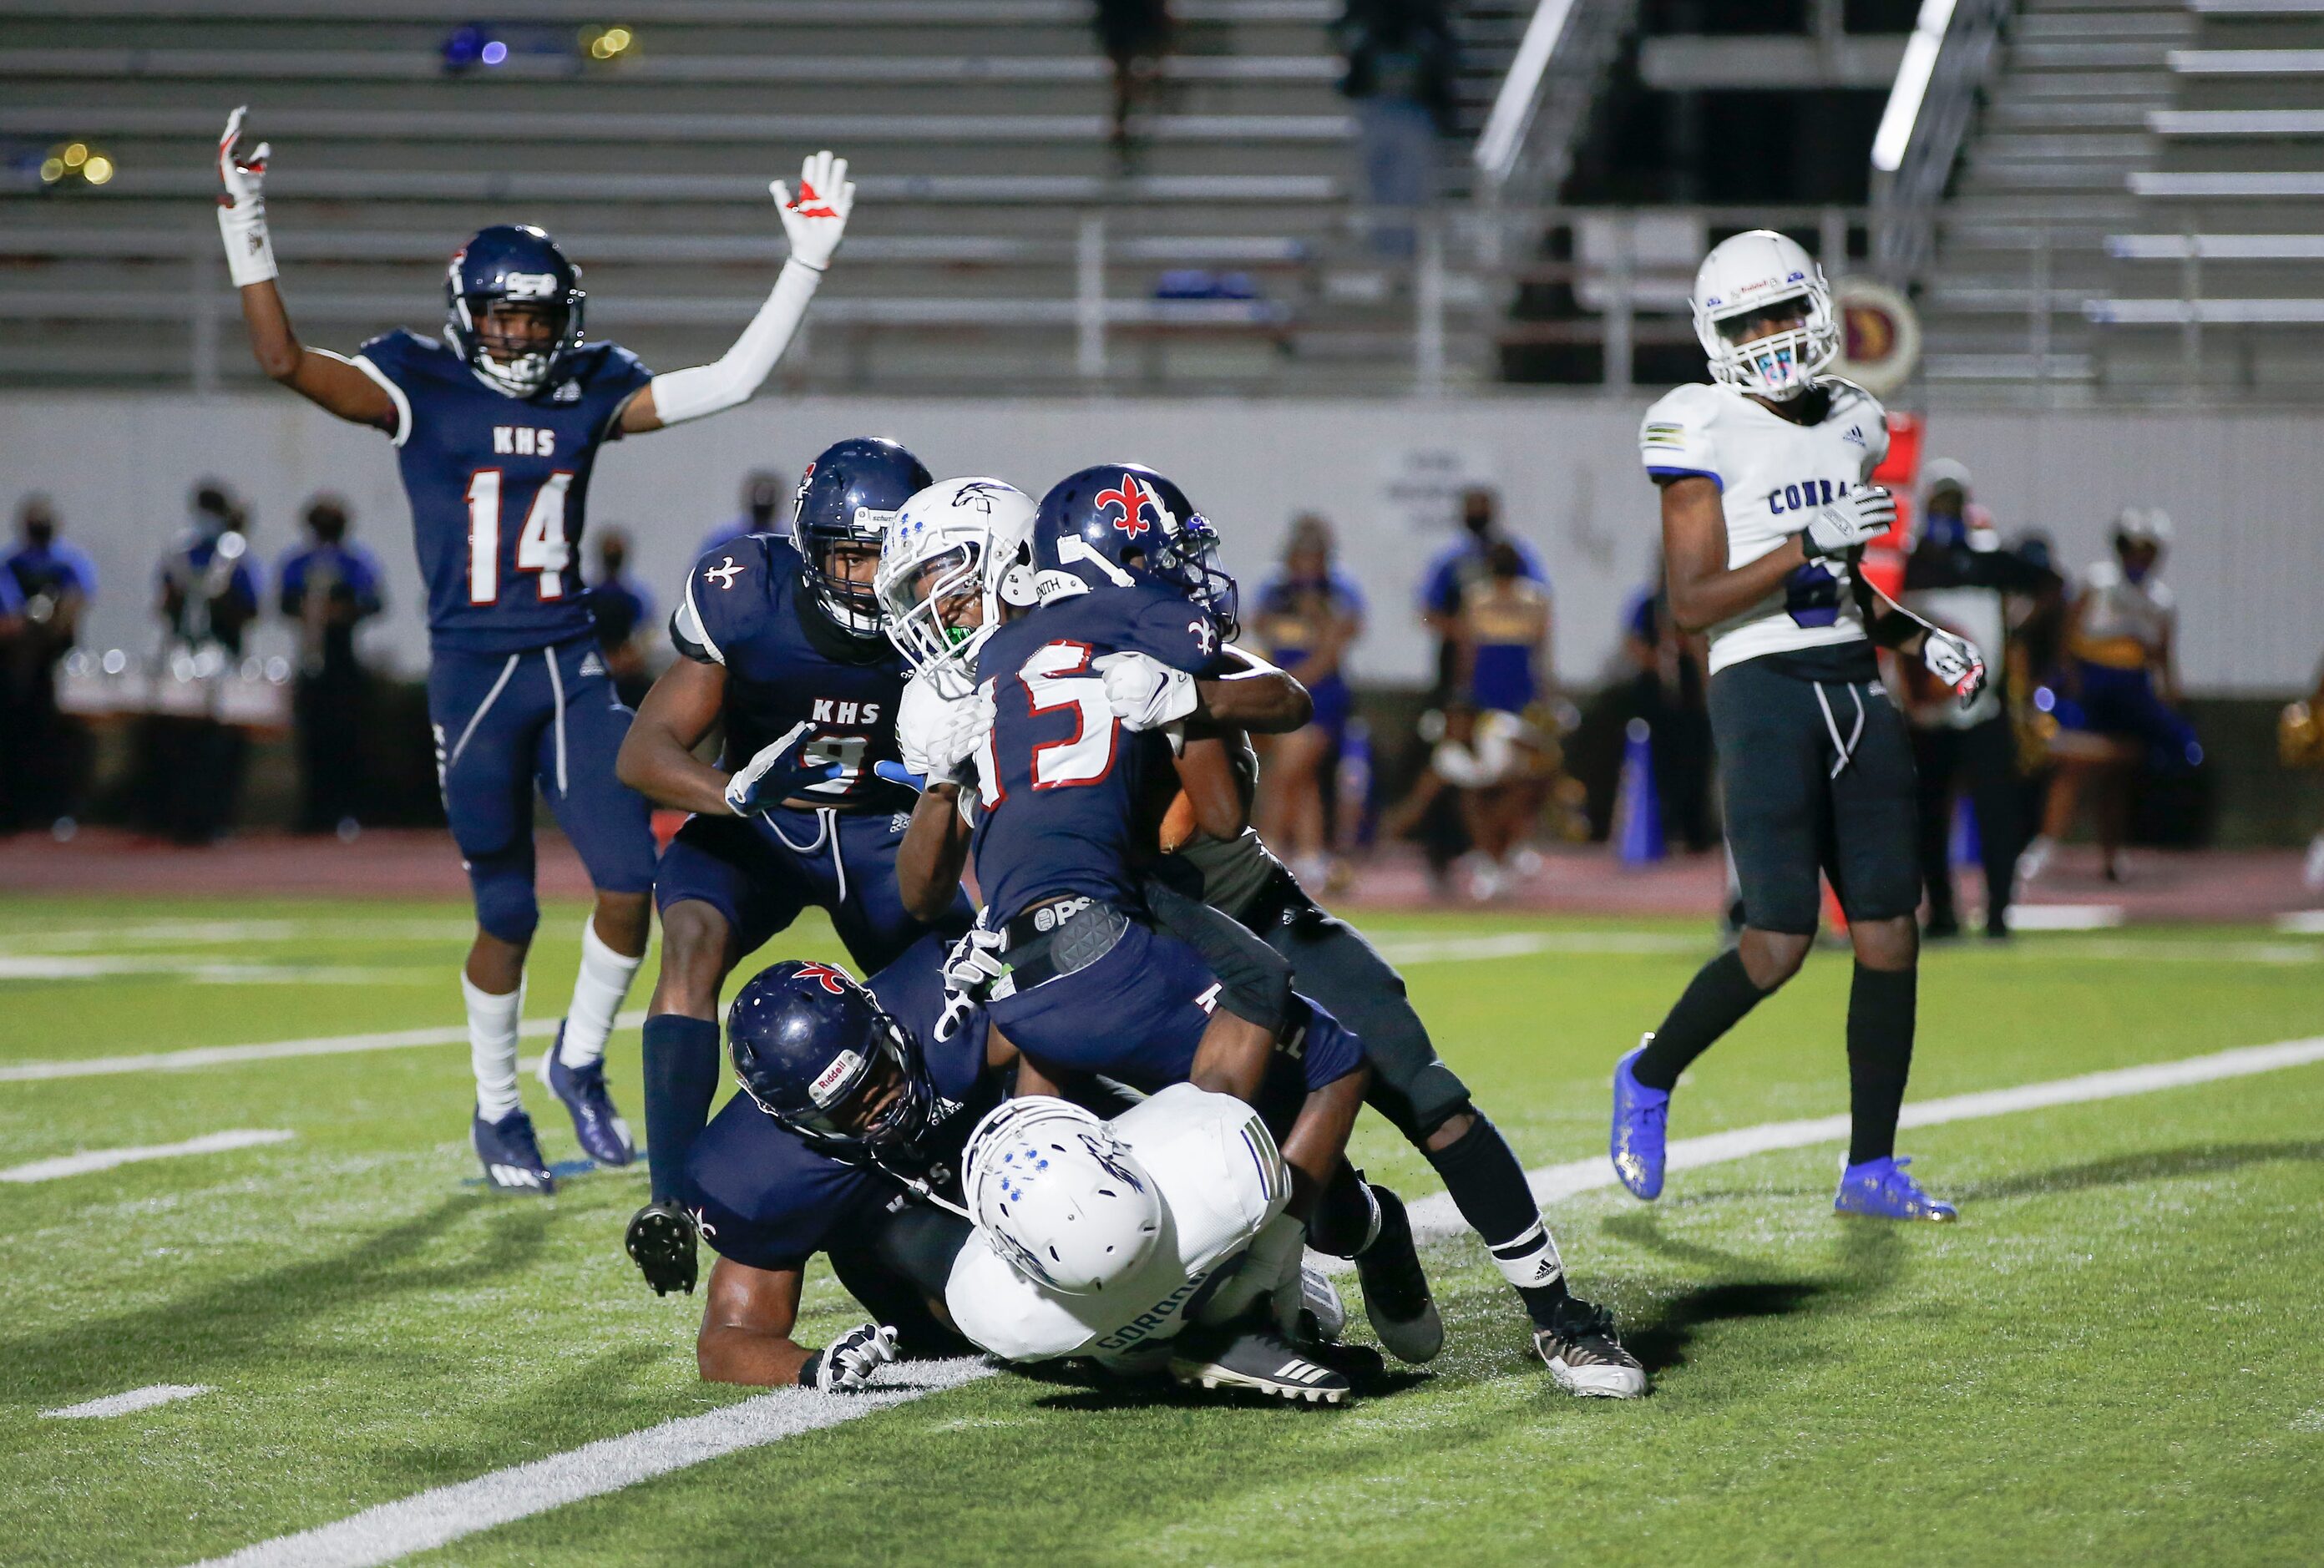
[(568, 391), (591, 664), (1855, 434)]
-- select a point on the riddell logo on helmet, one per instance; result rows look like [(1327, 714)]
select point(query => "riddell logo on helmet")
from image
[(832, 1079)]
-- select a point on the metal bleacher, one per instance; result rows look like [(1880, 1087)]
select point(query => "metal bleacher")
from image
[(999, 243), (2139, 212)]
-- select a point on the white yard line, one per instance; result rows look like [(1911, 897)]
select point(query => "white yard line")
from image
[(69, 966), (446, 1514), (2302, 923), (434, 1518), (322, 1046), (128, 1404), (228, 933), (96, 1159)]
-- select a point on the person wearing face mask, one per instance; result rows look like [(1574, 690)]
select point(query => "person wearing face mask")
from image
[(1959, 578), (2117, 698), (49, 582), (761, 513), (207, 594)]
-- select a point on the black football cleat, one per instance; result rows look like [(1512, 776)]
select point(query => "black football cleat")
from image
[(1396, 1287), (660, 1242), (1258, 1359), (1584, 1354), (510, 1153)]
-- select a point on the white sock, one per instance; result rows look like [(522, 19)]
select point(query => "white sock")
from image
[(597, 995), (492, 1045)]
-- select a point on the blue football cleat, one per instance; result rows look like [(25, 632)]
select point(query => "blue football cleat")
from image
[(1881, 1189), (1641, 1125), (604, 1135), (511, 1153)]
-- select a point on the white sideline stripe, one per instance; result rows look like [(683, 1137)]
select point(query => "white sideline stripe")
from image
[(2302, 923), (96, 1159), (204, 971), (1519, 944), (324, 1045), (128, 1404), (2064, 916), (437, 1518), (434, 1518), (1435, 1218), (227, 933)]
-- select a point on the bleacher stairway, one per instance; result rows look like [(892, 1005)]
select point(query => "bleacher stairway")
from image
[(2138, 212)]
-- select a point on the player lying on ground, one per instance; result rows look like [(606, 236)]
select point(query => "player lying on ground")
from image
[(1073, 970), (497, 426), (852, 1138), (781, 644), (1767, 504)]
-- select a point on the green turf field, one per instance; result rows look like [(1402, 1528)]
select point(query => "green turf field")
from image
[(2111, 1359)]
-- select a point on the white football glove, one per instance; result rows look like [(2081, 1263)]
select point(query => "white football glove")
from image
[(1855, 518), (818, 217), (848, 1364), (1956, 661), (1145, 693), (241, 207), (936, 735), (970, 971)]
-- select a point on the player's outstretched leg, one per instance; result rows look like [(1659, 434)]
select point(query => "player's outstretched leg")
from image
[(492, 984), (1360, 1220), (1641, 1128), (1882, 1003), (574, 1065)]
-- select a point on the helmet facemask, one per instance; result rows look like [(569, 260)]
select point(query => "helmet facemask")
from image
[(932, 599), (1779, 365), (893, 1129), (853, 603)]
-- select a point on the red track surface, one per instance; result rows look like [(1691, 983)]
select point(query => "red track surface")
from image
[(2209, 885)]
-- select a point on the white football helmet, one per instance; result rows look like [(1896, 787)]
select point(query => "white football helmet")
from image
[(1059, 1196), (1741, 277), (2143, 525), (937, 553)]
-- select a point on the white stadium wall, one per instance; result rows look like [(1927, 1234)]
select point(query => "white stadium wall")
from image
[(2243, 489)]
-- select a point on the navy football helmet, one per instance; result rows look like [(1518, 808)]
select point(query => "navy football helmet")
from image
[(848, 498), (1120, 522), (806, 1039), (513, 264)]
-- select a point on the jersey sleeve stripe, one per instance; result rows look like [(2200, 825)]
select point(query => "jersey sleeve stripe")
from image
[(689, 622), (395, 392), (1659, 472)]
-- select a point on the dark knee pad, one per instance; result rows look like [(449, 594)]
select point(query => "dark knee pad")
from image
[(502, 886)]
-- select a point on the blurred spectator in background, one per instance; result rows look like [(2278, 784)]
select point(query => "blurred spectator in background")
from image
[(1503, 630), (623, 614), (329, 586), (1309, 613), (2115, 698), (48, 583), (1402, 62), (763, 503), (1495, 767), (1467, 560), (208, 598), (1135, 36), (2300, 742), (1665, 688), (1959, 578)]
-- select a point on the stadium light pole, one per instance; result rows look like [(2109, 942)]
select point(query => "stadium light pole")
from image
[(1912, 84)]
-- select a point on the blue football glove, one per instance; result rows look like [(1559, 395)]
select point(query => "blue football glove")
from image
[(897, 773), (775, 774)]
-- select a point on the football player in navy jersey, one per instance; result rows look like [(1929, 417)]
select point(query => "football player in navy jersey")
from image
[(497, 425), (783, 643), (1066, 952), (850, 1110)]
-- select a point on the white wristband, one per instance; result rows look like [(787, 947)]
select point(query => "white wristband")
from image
[(249, 252)]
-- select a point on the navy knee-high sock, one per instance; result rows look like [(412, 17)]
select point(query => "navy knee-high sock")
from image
[(681, 1070)]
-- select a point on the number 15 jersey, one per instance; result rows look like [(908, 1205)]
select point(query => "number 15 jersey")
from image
[(1773, 474), (499, 486)]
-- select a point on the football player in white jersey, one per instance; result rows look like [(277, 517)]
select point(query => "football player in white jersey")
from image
[(1148, 1242), (1766, 502)]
